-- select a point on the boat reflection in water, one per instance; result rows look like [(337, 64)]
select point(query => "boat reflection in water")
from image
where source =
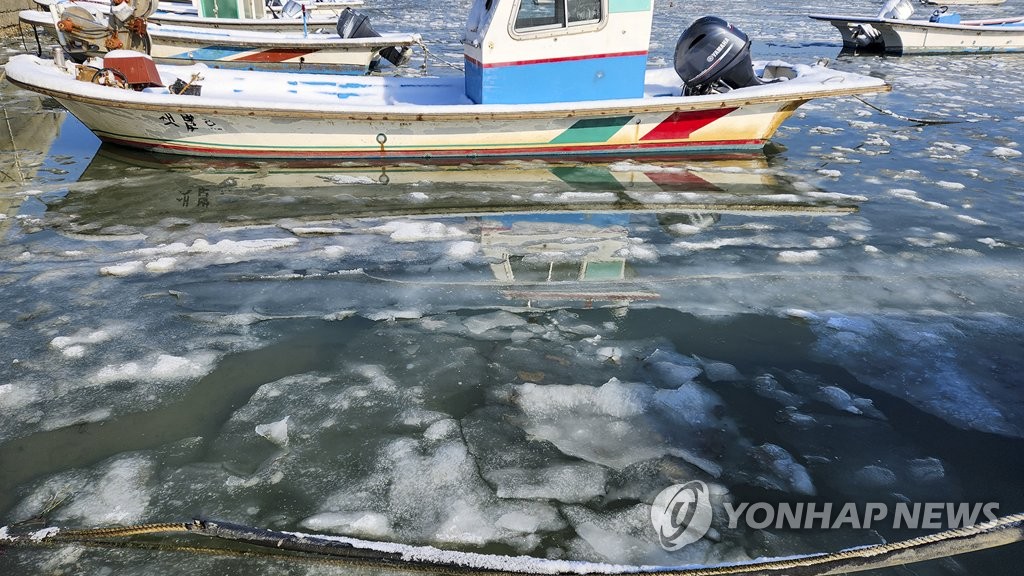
[(546, 232), (29, 131)]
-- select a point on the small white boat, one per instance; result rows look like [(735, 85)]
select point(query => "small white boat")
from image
[(944, 32), (223, 48), (964, 2), (568, 83), (249, 15)]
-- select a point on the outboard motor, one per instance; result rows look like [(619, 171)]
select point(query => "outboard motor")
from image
[(896, 10), (942, 17), (352, 24), (711, 55), (290, 9)]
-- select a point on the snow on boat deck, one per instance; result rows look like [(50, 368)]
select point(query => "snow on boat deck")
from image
[(293, 91)]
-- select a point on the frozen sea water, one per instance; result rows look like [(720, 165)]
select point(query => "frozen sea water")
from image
[(518, 358)]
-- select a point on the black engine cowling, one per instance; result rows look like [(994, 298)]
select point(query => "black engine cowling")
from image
[(352, 24), (712, 54)]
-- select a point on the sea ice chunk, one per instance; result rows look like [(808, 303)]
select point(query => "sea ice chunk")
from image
[(363, 523), (784, 473), (115, 492), (718, 371), (501, 319), (767, 386), (276, 432), (874, 476), (838, 398), (926, 469), (565, 483)]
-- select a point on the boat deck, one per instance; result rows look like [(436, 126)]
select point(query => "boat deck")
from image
[(356, 90), (396, 96)]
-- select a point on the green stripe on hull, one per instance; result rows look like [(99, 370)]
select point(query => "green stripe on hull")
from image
[(588, 177), (615, 6), (591, 130)]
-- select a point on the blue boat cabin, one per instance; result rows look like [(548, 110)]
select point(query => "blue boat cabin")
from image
[(536, 51)]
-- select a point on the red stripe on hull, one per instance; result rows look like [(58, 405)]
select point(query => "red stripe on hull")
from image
[(680, 125), (274, 55), (680, 181), (553, 60), (719, 148)]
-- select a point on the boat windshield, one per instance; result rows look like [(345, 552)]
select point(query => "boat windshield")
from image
[(553, 14)]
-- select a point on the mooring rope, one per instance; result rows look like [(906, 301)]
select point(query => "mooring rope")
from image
[(277, 544), (427, 54), (902, 117)]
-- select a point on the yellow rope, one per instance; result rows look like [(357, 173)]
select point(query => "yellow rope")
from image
[(281, 545), (121, 532)]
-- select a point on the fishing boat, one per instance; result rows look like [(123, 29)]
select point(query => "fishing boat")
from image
[(892, 31), (964, 2), (247, 15), (540, 80), (86, 32)]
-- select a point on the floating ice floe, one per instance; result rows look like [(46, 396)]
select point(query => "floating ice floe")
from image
[(1005, 153), (116, 492), (162, 367), (961, 391), (717, 371), (798, 256), (361, 523), (767, 386), (123, 269), (275, 432), (874, 477), (785, 473), (568, 483), (482, 323), (926, 469), (74, 345), (406, 231), (971, 220)]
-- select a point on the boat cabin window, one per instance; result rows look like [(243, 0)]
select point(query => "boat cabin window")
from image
[(536, 15)]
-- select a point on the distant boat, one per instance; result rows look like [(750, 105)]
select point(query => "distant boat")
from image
[(252, 16), (965, 2), (568, 83), (89, 34), (944, 32)]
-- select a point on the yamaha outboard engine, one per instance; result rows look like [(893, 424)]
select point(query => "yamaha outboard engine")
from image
[(352, 24), (711, 55)]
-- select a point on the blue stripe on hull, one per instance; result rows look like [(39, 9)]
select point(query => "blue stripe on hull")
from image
[(212, 52), (568, 81)]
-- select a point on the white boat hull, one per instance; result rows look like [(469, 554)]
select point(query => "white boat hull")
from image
[(292, 25), (324, 53), (366, 118), (322, 16), (924, 37), (964, 2)]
